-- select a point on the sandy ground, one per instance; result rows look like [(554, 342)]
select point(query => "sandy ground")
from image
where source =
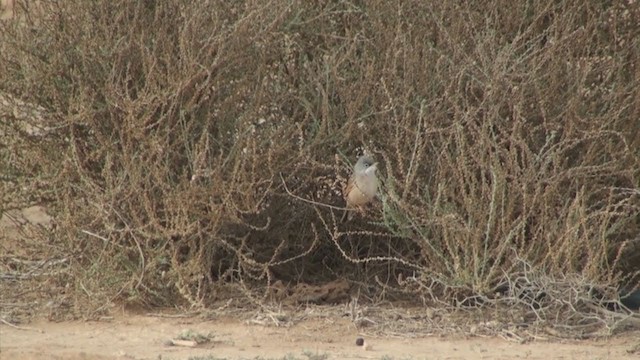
[(145, 337)]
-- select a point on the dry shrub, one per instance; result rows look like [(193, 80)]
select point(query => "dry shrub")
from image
[(169, 130)]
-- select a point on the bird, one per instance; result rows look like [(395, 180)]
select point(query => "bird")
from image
[(362, 186)]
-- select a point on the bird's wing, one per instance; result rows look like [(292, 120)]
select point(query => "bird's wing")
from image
[(348, 187)]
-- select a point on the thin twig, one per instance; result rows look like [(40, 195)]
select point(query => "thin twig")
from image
[(20, 327), (173, 316), (307, 200)]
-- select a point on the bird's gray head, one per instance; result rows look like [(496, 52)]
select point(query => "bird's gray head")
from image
[(365, 165)]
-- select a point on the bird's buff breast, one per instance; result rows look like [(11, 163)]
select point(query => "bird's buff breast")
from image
[(364, 190)]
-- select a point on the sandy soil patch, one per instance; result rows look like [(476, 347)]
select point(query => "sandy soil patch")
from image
[(145, 337)]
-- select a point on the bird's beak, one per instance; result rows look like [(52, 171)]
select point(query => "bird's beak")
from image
[(372, 168)]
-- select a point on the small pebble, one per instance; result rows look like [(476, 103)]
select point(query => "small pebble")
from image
[(359, 341)]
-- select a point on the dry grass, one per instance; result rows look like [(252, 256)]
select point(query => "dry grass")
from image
[(167, 141)]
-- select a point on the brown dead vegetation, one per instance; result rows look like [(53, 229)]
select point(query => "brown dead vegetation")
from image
[(173, 142)]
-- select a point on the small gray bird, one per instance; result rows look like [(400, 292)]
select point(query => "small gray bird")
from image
[(362, 186)]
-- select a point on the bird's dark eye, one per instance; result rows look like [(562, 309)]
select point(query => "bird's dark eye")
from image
[(367, 164)]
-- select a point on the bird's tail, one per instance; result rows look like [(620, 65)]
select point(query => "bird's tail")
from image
[(346, 216)]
